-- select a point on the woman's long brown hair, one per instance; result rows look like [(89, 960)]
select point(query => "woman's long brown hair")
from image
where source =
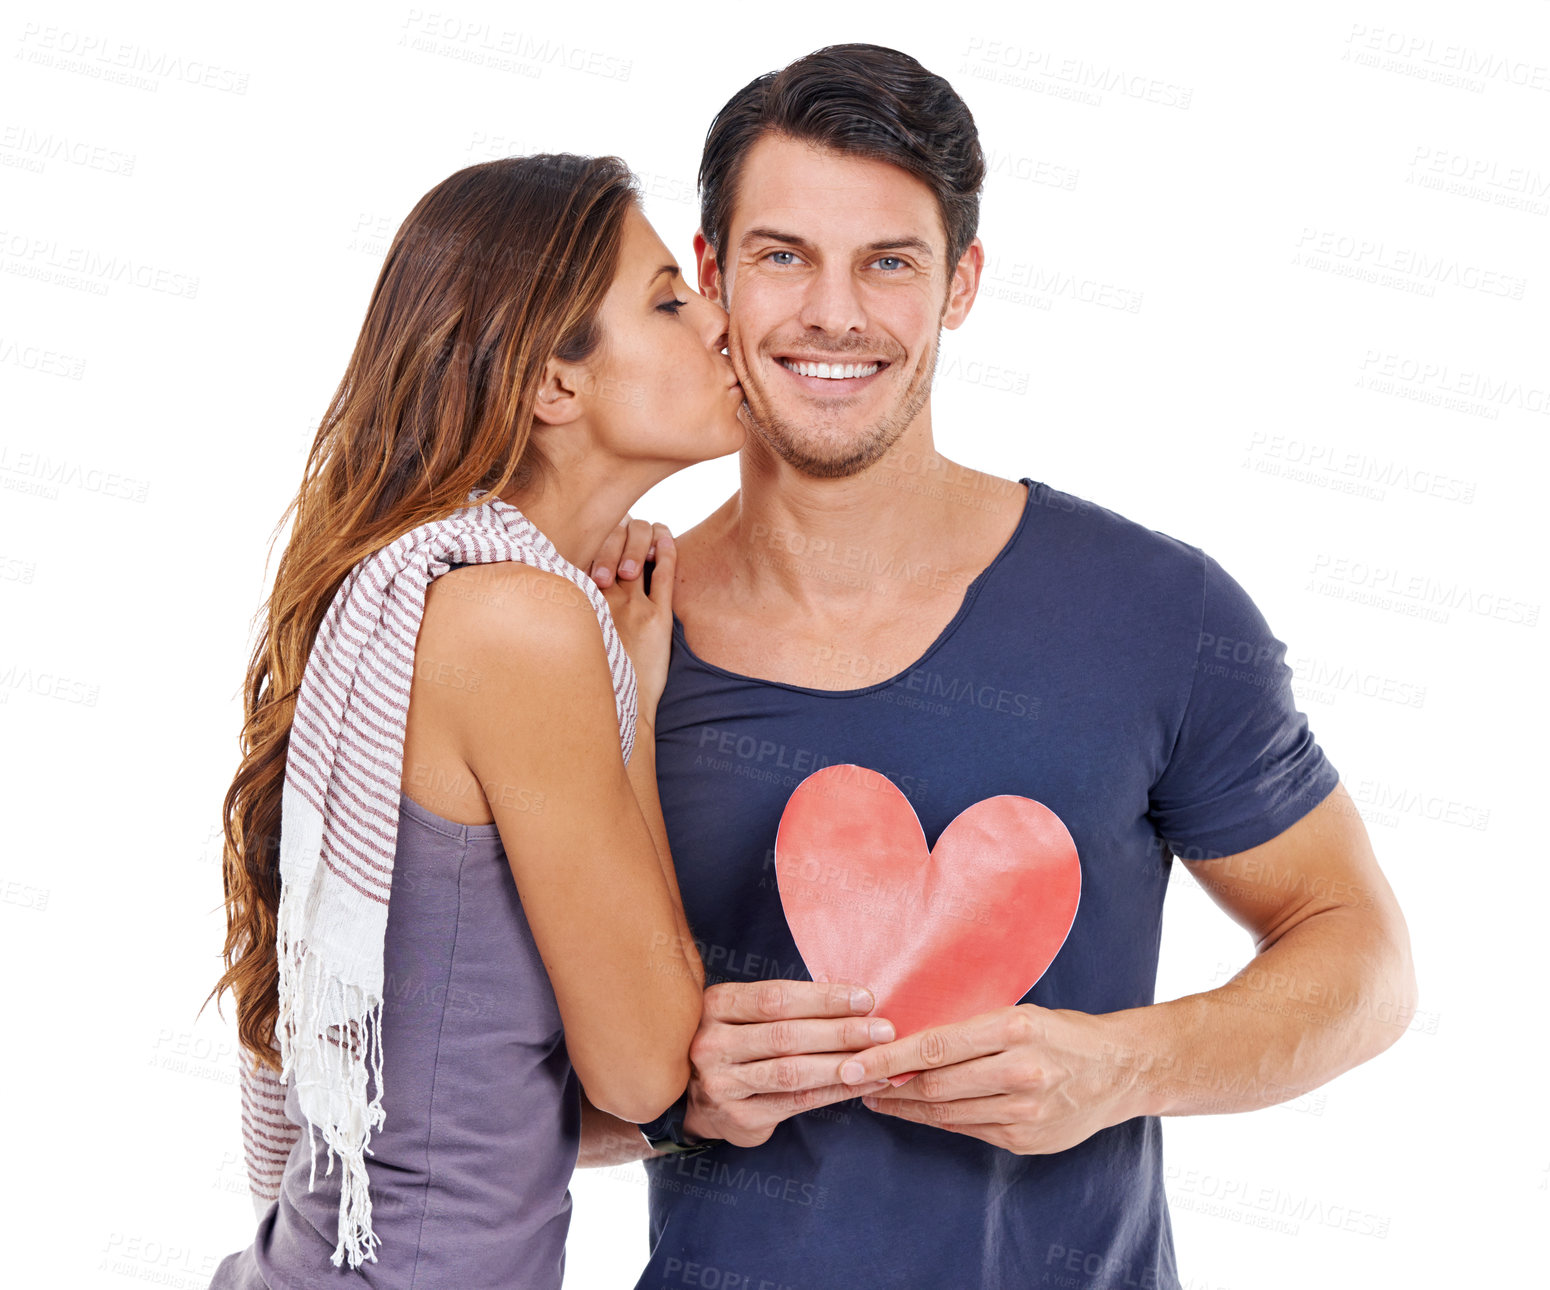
[(498, 268)]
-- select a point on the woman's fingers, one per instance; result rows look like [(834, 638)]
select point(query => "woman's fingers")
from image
[(666, 561), (623, 556), (609, 554), (636, 543)]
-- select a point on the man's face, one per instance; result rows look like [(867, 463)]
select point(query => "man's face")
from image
[(837, 285)]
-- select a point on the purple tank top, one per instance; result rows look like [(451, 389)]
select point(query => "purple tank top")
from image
[(471, 1167)]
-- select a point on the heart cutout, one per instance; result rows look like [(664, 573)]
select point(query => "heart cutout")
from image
[(938, 934)]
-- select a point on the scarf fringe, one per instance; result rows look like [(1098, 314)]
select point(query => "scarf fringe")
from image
[(330, 1035)]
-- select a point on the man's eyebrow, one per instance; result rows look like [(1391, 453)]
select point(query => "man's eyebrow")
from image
[(916, 244), (774, 235), (903, 244)]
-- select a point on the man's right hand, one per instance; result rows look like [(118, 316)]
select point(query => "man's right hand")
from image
[(768, 1050)]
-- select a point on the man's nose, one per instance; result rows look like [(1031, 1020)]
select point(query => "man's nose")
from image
[(832, 303)]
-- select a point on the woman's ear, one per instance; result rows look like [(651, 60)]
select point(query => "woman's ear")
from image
[(559, 401)]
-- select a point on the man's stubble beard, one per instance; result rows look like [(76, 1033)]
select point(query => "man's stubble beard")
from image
[(786, 438)]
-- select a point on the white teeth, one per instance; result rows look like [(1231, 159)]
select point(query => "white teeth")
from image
[(831, 372)]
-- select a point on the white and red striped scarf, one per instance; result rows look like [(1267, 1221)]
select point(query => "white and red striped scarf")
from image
[(338, 835)]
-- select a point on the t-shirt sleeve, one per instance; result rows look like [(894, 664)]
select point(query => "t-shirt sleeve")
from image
[(1244, 766)]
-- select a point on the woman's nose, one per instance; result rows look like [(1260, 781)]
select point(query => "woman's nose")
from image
[(715, 325)]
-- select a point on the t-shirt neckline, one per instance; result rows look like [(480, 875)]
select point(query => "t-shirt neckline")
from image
[(969, 595)]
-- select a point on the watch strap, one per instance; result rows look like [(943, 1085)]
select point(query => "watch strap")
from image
[(666, 1133)]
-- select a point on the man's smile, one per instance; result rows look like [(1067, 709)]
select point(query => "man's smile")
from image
[(825, 376)]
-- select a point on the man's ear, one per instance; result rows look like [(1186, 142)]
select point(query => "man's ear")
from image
[(964, 285), (710, 276), (559, 401)]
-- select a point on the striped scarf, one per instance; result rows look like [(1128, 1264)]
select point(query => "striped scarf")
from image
[(339, 832)]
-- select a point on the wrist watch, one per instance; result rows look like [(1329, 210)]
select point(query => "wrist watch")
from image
[(666, 1133)]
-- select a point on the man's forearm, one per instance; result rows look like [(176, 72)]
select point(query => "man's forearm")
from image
[(1331, 993)]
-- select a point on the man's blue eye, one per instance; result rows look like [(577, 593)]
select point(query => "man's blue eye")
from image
[(890, 261), (774, 254)]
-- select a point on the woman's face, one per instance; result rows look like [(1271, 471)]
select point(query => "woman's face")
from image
[(658, 387)]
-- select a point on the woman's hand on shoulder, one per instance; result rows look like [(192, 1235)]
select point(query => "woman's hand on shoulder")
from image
[(645, 622)]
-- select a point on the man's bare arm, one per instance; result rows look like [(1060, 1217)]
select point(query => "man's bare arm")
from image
[(1331, 986), (1332, 983)]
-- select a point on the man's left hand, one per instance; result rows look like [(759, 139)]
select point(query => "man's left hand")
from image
[(1031, 1080)]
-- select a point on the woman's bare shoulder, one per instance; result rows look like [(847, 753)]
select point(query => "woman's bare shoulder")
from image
[(508, 622), (509, 602)]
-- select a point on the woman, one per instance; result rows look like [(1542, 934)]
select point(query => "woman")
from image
[(473, 904)]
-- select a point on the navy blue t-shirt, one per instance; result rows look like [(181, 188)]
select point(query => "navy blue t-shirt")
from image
[(1112, 673)]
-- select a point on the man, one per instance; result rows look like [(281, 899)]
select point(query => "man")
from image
[(863, 599)]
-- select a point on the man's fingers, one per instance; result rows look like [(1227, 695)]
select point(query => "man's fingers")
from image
[(970, 1113), (750, 1001), (798, 1036), (800, 1074), (782, 1106), (975, 1077), (991, 1032)]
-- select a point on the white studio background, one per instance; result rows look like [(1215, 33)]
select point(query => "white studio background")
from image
[(1271, 280)]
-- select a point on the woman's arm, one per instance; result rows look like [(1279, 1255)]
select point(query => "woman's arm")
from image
[(539, 733), (607, 1140), (642, 770), (645, 624)]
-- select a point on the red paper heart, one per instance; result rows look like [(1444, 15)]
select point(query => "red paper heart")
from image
[(937, 935)]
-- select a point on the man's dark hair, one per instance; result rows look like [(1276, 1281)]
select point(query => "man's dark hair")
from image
[(865, 100)]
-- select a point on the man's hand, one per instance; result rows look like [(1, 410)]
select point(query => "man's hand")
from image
[(1331, 986), (768, 1050), (1027, 1079)]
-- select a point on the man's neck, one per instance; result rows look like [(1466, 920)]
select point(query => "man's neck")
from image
[(913, 517)]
